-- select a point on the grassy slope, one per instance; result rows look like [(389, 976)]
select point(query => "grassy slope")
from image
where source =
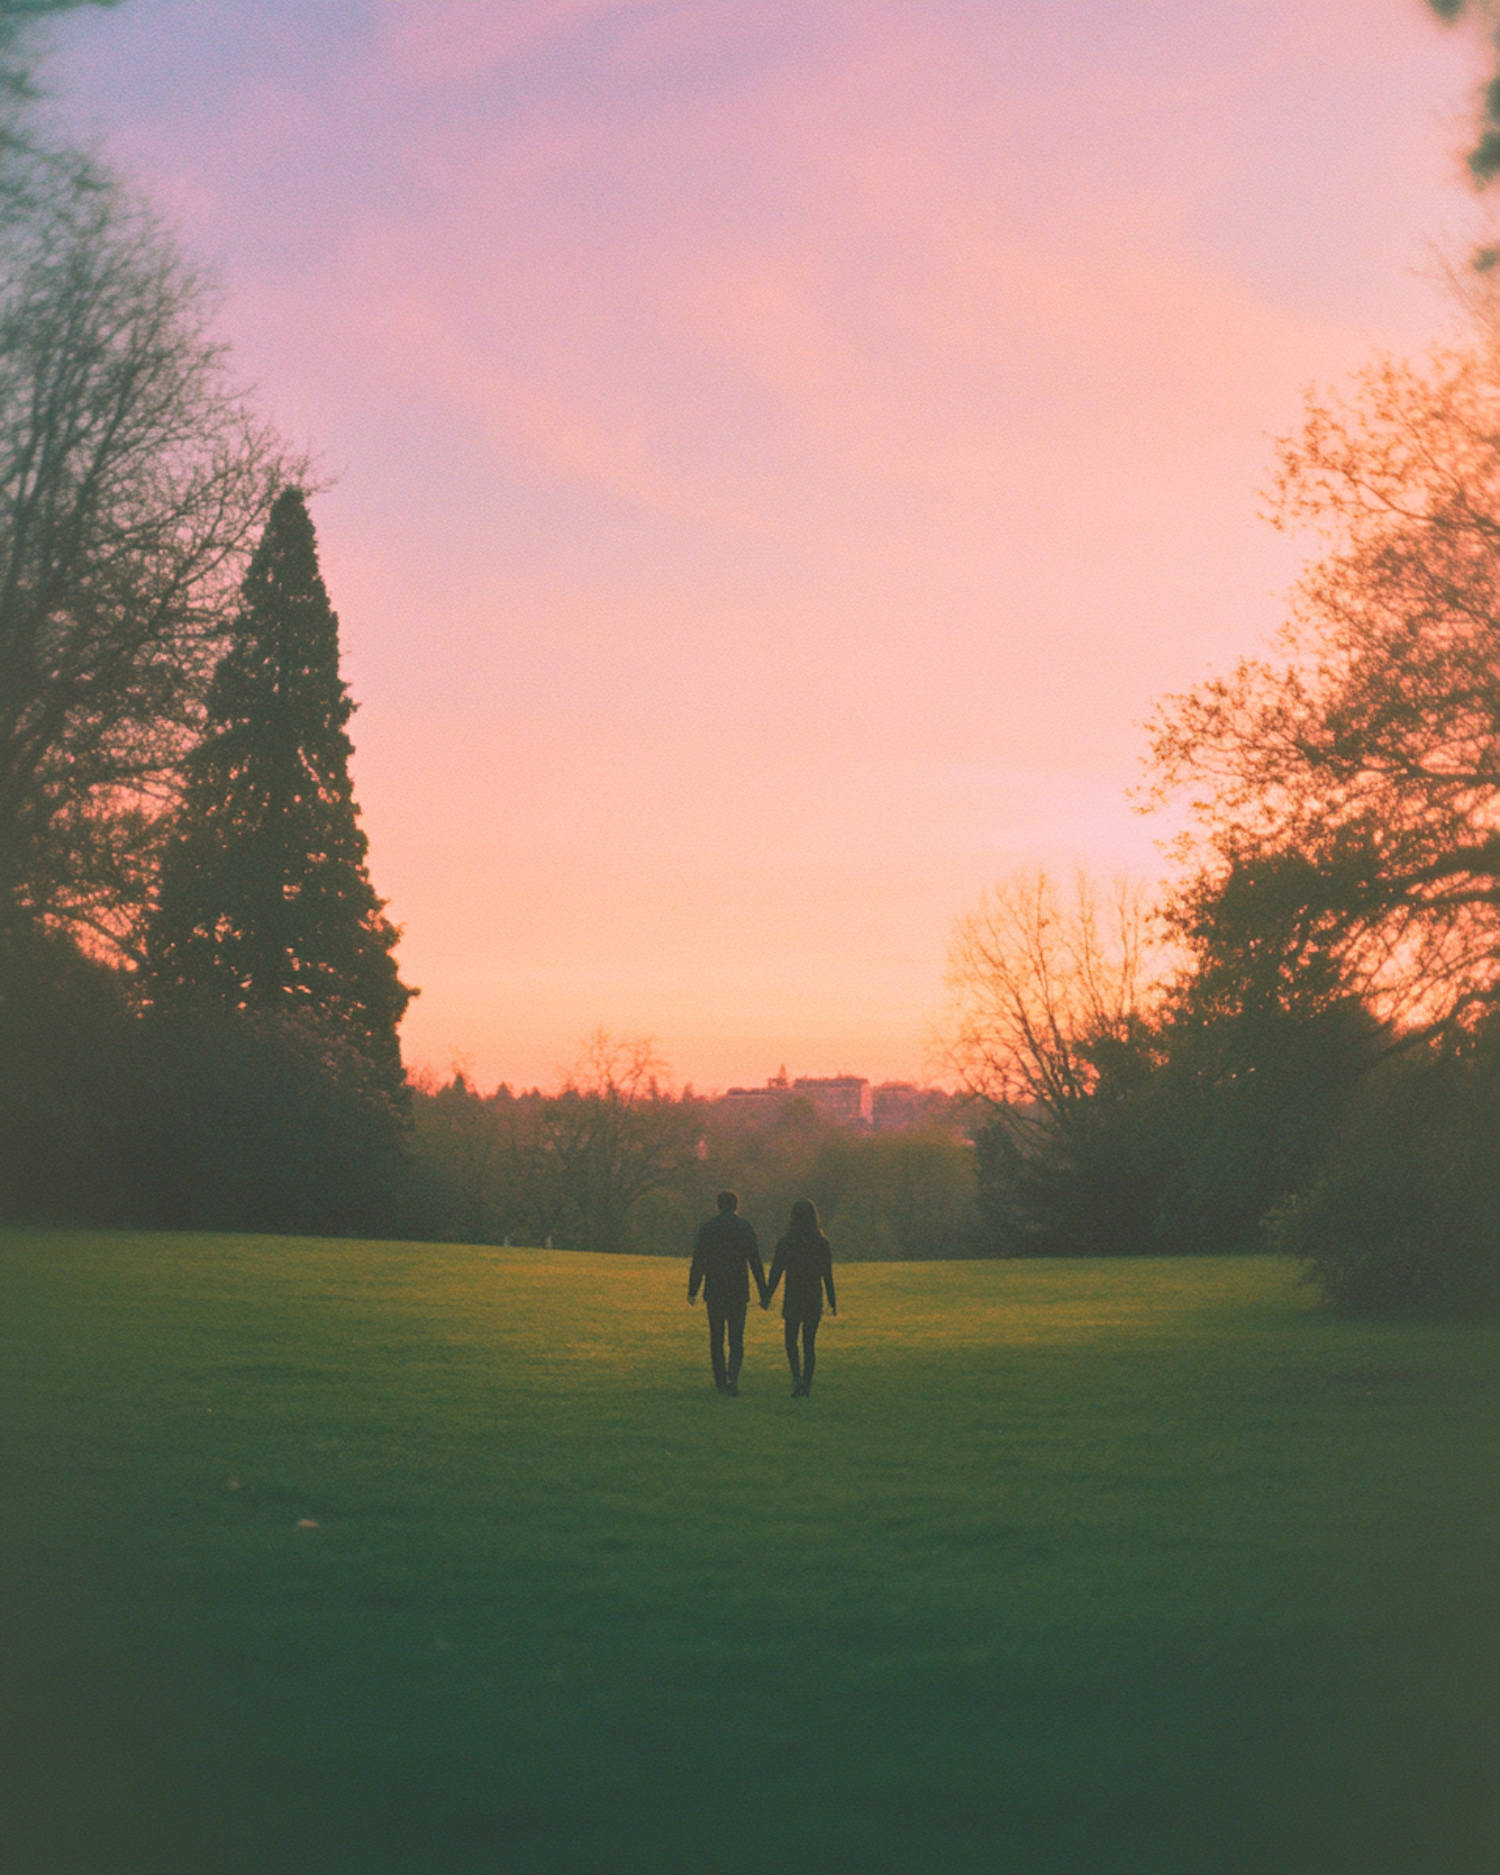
[(1094, 1568)]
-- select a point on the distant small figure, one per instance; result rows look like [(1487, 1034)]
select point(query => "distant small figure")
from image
[(548, 1244), (725, 1253), (805, 1257)]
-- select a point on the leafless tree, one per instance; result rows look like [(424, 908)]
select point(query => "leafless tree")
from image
[(19, 23), (1050, 994), (133, 479), (617, 1132), (570, 1166)]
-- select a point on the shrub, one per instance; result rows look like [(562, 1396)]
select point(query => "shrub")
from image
[(65, 1037), (907, 1195), (256, 1120), (198, 1119), (1405, 1216)]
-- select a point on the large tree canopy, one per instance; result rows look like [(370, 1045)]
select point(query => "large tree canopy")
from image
[(265, 899), (1367, 752), (133, 478)]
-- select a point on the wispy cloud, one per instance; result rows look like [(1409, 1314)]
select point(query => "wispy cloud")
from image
[(785, 443), (425, 40)]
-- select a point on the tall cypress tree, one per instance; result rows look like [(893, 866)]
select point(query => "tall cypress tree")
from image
[(265, 897)]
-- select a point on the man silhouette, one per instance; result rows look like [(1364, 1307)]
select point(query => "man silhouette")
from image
[(724, 1254)]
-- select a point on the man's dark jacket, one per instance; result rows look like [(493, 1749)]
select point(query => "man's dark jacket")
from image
[(724, 1254)]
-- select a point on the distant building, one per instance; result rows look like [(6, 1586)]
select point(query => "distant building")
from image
[(753, 1106), (897, 1104), (842, 1098)]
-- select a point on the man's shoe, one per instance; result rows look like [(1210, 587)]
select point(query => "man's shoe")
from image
[(732, 1388), (798, 1390)]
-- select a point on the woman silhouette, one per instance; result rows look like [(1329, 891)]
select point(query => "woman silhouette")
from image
[(805, 1258)]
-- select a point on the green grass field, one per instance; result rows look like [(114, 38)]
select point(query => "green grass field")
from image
[(391, 1559)]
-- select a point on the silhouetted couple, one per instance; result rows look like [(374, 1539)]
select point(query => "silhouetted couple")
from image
[(726, 1255)]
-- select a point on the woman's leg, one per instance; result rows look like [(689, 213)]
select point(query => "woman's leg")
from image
[(809, 1348), (790, 1328)]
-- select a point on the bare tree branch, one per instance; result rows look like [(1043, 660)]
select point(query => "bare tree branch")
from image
[(133, 480), (1369, 746), (1043, 987)]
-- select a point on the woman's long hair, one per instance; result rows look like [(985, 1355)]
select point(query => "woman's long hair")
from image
[(804, 1226)]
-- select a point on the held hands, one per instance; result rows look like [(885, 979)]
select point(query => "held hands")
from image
[(692, 1302)]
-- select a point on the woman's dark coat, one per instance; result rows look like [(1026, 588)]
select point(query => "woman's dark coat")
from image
[(807, 1264)]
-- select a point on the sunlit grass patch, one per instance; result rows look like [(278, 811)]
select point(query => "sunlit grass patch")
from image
[(384, 1557)]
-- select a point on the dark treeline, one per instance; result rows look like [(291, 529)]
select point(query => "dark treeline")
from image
[(114, 1113), (618, 1163), (1207, 1123), (173, 1117)]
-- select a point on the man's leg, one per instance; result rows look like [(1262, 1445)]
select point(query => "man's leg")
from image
[(716, 1344), (809, 1350), (736, 1320), (790, 1326)]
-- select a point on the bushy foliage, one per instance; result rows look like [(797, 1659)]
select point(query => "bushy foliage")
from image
[(596, 1168), (1149, 1100), (260, 1087), (65, 1038), (199, 1118), (263, 1120), (1341, 911), (1363, 757), (1405, 1214), (1263, 1045), (1094, 1191), (1245, 1110), (907, 1195), (572, 1168), (771, 1167)]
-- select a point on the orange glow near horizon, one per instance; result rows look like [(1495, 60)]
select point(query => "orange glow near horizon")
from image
[(781, 449)]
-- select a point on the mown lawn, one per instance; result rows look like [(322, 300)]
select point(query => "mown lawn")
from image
[(1101, 1568)]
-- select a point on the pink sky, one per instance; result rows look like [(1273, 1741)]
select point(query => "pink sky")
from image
[(783, 447)]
